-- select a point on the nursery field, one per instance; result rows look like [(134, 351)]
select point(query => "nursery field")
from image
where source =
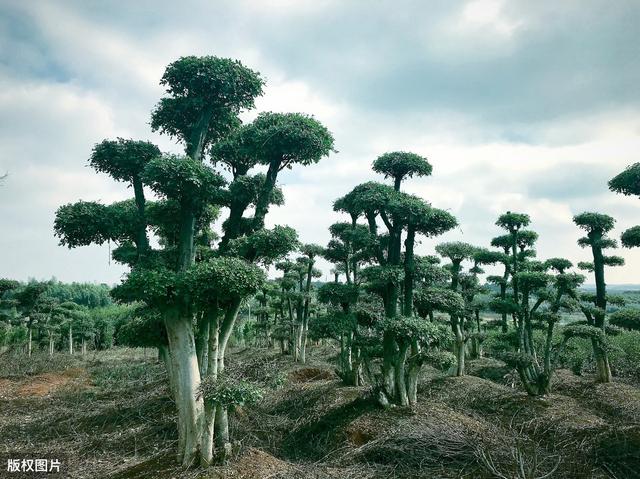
[(110, 415), (220, 353)]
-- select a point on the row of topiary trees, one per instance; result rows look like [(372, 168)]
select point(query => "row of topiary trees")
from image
[(385, 307), (57, 316), (394, 311)]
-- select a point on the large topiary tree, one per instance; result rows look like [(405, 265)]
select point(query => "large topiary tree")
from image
[(628, 184), (200, 111), (597, 226)]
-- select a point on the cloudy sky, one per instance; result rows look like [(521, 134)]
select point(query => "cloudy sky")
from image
[(520, 105)]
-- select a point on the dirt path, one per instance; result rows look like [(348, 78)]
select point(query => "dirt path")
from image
[(42, 385)]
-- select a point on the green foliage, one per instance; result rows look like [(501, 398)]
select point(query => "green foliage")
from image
[(226, 391), (413, 328), (442, 360), (158, 288), (222, 280), (332, 325), (8, 285), (533, 279), (338, 293), (366, 198), (144, 330), (517, 359), (287, 138), (85, 294), (456, 251), (439, 299), (87, 222), (627, 182), (560, 265), (503, 241), (400, 164), (183, 179), (246, 190), (513, 222), (583, 331), (630, 238), (594, 222), (204, 92), (122, 159), (485, 256), (266, 246), (613, 261), (626, 318)]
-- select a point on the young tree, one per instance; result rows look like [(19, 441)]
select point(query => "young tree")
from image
[(597, 226), (503, 306), (30, 302), (457, 252), (549, 294)]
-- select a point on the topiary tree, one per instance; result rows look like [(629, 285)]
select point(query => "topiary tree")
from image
[(30, 302), (398, 212), (204, 97), (535, 368), (310, 253), (399, 165), (502, 305), (597, 226), (628, 318), (628, 184), (457, 252)]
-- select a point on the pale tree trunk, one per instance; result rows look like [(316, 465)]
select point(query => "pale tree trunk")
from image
[(603, 369), (70, 339), (413, 371), (30, 340), (222, 432), (212, 371), (187, 375), (202, 344), (51, 346), (401, 385), (459, 348), (298, 342), (84, 346), (222, 413), (303, 345)]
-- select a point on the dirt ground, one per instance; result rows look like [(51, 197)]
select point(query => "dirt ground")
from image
[(111, 417)]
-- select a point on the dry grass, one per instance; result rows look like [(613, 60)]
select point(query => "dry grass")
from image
[(113, 418)]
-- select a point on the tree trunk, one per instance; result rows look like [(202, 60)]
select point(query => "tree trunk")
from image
[(603, 369), (226, 328), (84, 346), (187, 227), (212, 371), (262, 204), (409, 271), (303, 346), (70, 339), (30, 340), (388, 378), (399, 372), (413, 371), (460, 349), (222, 433), (202, 344), (51, 344), (142, 242), (188, 400)]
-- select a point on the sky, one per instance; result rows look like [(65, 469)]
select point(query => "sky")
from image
[(518, 105)]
